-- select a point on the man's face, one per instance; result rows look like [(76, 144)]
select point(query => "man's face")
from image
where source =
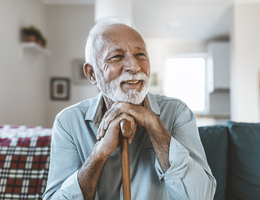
[(123, 65)]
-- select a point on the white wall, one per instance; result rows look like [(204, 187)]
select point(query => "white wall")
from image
[(22, 81), (25, 82), (67, 27), (245, 63)]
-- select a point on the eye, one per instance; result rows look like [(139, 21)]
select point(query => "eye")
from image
[(116, 57), (140, 55)]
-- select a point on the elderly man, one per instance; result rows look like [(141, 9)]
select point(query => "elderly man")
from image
[(167, 160)]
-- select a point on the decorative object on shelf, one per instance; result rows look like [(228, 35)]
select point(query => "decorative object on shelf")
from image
[(78, 73), (33, 34), (60, 88)]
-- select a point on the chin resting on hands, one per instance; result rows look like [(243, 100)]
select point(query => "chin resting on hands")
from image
[(139, 113)]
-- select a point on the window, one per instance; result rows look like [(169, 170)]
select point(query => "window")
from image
[(185, 80)]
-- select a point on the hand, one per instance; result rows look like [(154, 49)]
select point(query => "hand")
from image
[(154, 126), (110, 136), (141, 115)]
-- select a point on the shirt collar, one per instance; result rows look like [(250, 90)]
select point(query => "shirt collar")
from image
[(93, 107), (94, 113), (153, 103)]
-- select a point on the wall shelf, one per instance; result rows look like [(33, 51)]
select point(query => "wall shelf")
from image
[(33, 47)]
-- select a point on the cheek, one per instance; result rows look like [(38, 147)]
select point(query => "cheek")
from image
[(111, 72), (145, 66)]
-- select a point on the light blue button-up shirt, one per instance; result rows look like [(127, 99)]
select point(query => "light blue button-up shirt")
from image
[(74, 135)]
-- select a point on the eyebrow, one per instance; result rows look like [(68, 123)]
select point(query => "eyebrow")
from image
[(118, 49)]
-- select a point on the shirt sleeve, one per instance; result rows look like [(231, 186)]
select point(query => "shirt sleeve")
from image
[(189, 176), (64, 164)]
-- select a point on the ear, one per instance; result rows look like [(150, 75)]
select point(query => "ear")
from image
[(89, 72)]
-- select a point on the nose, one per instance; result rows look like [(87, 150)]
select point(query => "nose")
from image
[(131, 65)]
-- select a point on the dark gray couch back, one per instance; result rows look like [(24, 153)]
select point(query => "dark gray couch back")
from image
[(233, 153)]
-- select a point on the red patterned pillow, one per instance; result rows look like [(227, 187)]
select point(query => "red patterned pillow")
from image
[(24, 161)]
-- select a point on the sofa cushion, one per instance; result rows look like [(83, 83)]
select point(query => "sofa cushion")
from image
[(24, 161), (244, 161), (214, 140)]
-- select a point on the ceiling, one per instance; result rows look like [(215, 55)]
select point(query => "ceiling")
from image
[(193, 19), (179, 19)]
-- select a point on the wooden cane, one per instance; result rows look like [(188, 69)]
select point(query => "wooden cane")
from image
[(125, 130)]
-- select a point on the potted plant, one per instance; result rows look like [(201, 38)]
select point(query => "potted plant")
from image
[(42, 40), (32, 34)]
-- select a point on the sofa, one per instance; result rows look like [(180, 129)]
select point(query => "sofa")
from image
[(233, 153)]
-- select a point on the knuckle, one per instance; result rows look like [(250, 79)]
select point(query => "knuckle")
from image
[(113, 122), (132, 118), (125, 105)]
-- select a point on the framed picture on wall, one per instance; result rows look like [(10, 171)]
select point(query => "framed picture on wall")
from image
[(60, 88), (78, 74)]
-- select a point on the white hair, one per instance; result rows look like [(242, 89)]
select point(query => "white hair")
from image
[(92, 43)]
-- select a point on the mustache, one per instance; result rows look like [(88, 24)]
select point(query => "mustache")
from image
[(129, 76)]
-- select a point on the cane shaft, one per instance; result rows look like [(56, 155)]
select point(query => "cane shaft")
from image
[(125, 127)]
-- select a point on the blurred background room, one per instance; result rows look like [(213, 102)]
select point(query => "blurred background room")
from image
[(205, 52)]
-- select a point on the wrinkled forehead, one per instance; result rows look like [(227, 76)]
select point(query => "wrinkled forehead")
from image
[(121, 34)]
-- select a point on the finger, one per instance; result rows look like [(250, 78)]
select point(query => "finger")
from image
[(111, 138), (123, 121), (101, 131), (117, 109), (111, 110), (105, 127), (138, 112), (128, 131), (114, 127)]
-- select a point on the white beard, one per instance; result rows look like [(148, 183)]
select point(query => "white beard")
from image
[(113, 90)]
